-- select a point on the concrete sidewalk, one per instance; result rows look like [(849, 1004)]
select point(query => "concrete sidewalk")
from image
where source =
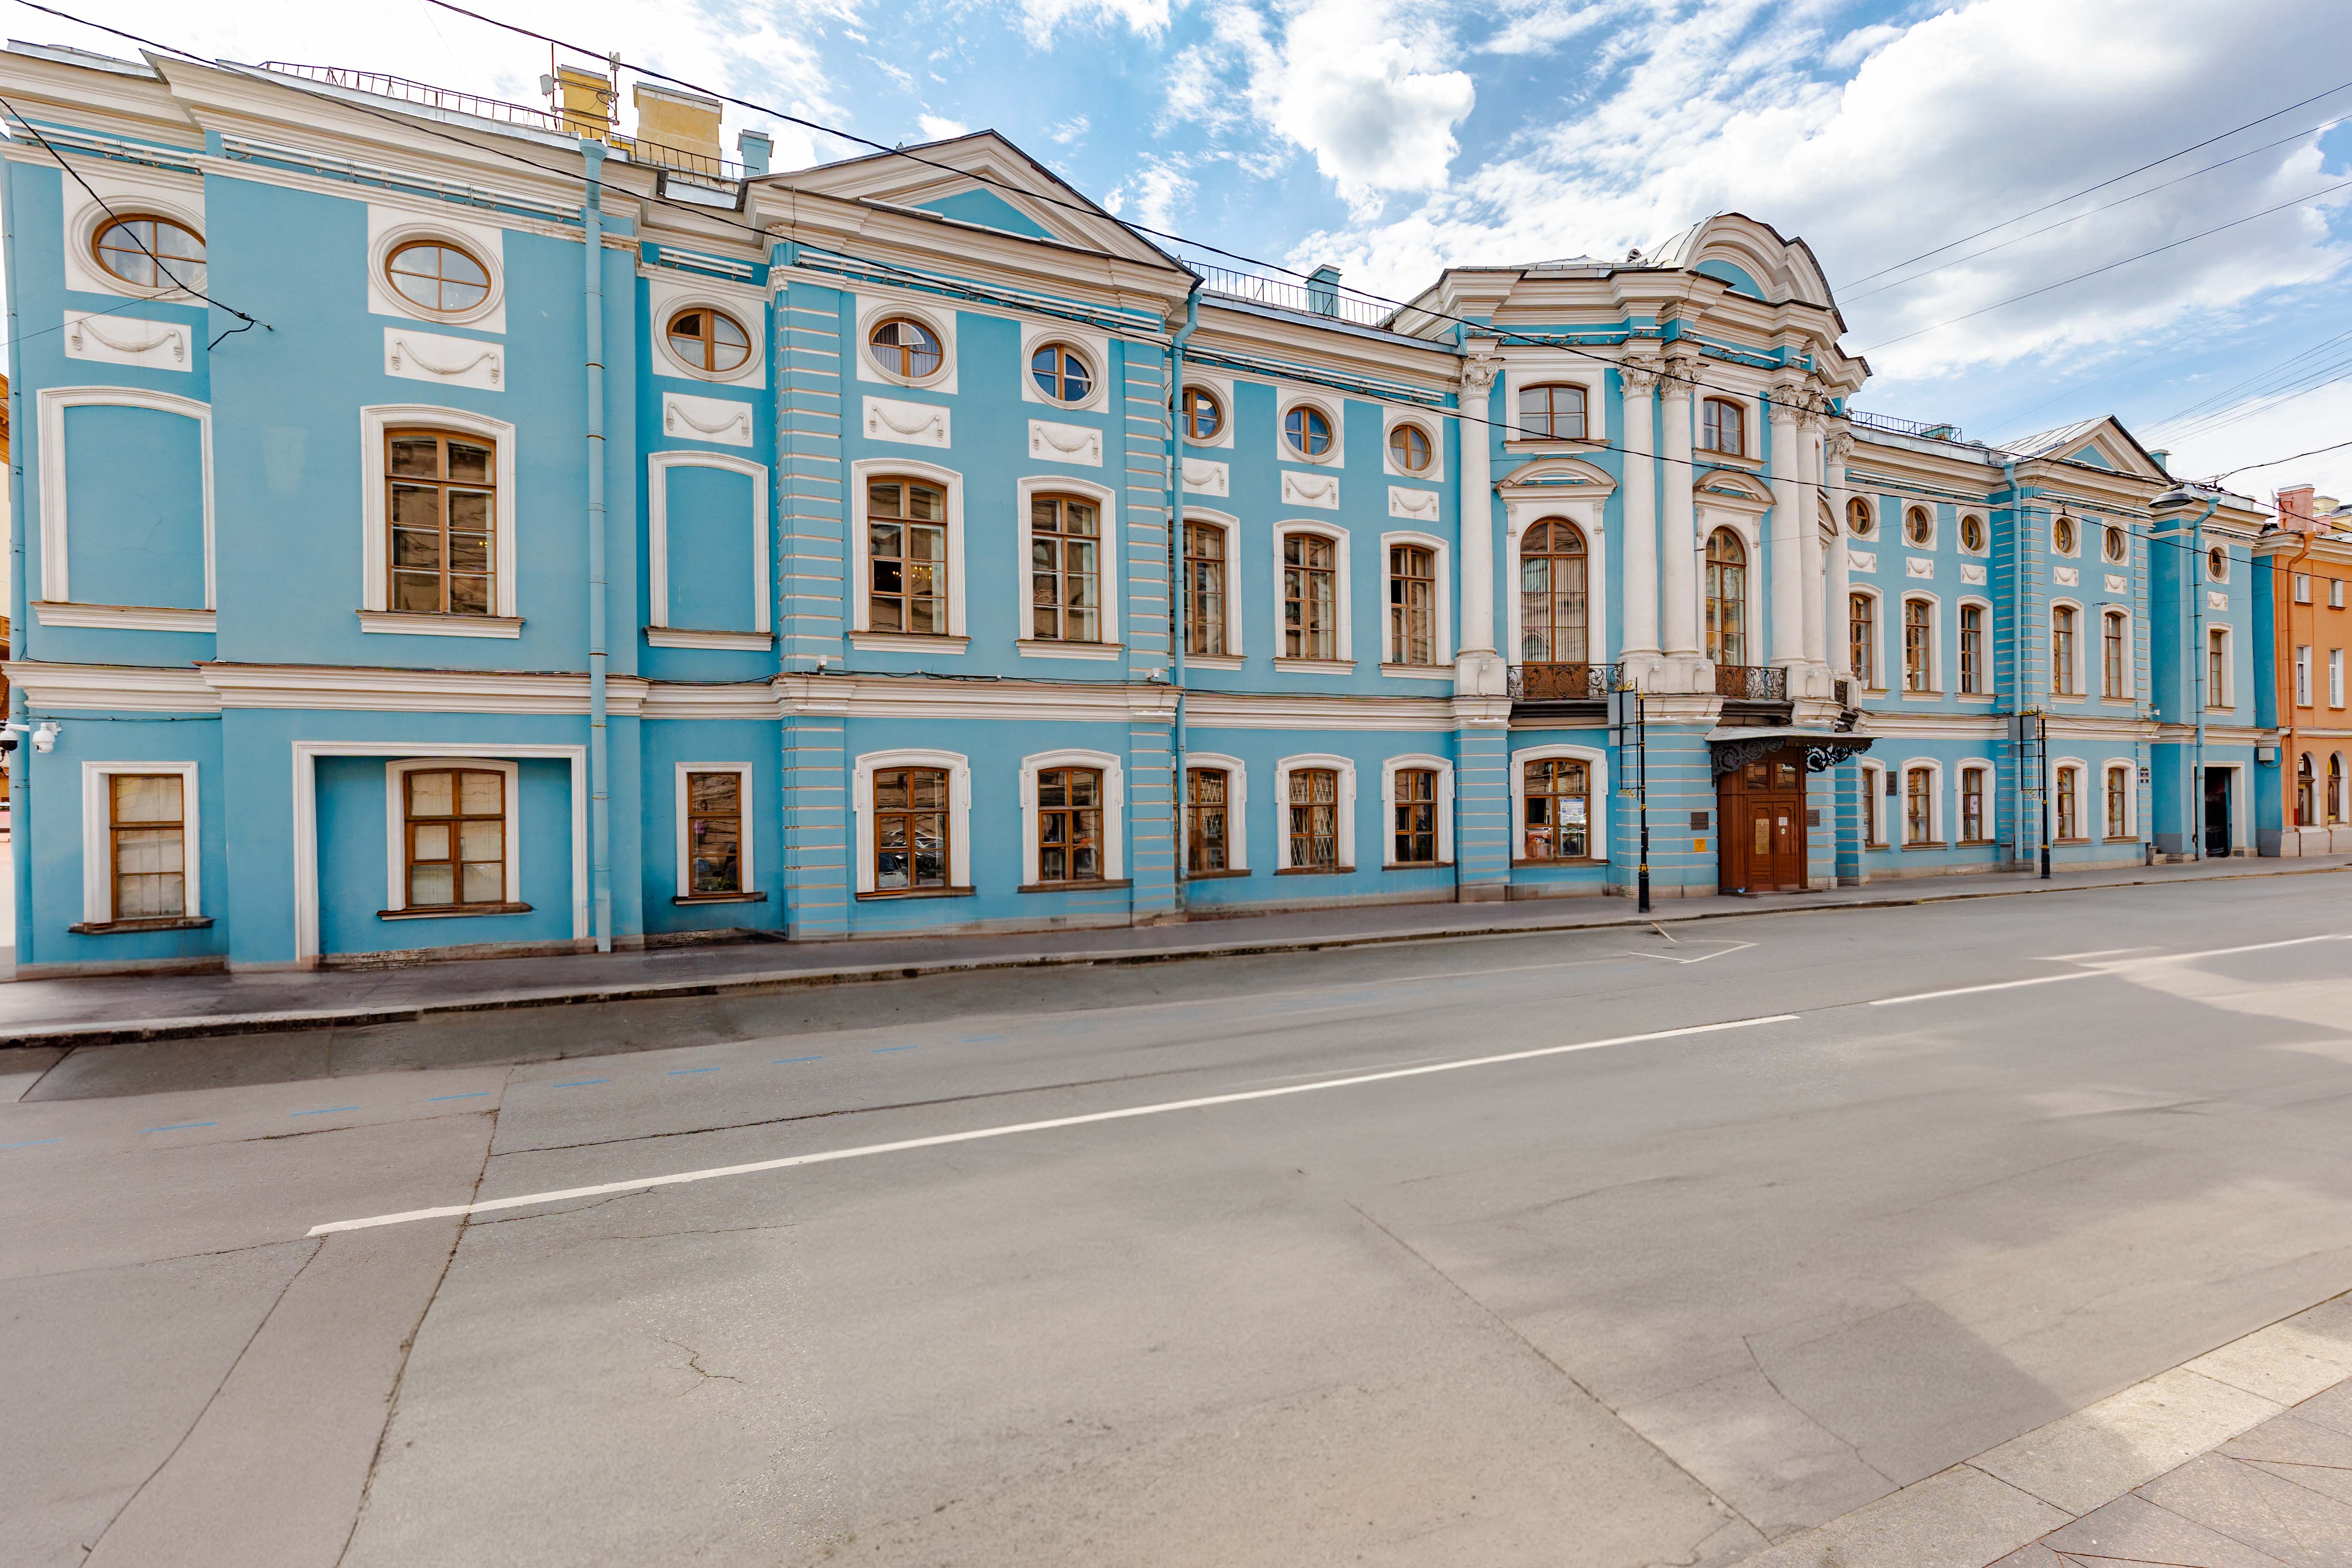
[(109, 1009), (2242, 1458)]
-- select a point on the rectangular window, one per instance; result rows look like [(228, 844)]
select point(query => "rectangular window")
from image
[(1310, 617), (2061, 651), (148, 843), (1918, 647), (905, 558), (1972, 805), (1069, 825), (2111, 656), (2335, 678), (1415, 825), (443, 507), (1873, 820), (1862, 637), (910, 829), (455, 822), (2070, 820), (1559, 809), (2303, 587), (1972, 679), (1314, 819), (714, 833), (2336, 593), (1207, 848), (1204, 572), (1064, 569), (1919, 806), (1413, 605), (2118, 810), (2217, 669), (2302, 676)]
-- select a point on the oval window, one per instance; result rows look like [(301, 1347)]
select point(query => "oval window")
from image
[(905, 348), (1972, 533), (2217, 563), (1061, 373), (1203, 414), (710, 340), (1308, 431), (435, 276), (1918, 527), (2062, 535), (1857, 518), (2115, 541), (149, 252), (1409, 445)]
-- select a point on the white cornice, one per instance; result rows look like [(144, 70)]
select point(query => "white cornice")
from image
[(71, 687), (1241, 711)]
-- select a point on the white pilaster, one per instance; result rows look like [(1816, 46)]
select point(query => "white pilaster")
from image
[(1678, 536), (1835, 446), (1478, 669), (1638, 650), (1809, 508), (1788, 617)]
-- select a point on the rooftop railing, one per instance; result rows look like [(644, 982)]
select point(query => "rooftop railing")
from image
[(1308, 299), (382, 84), (1921, 428)]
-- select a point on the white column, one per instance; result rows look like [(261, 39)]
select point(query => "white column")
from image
[(1678, 536), (1638, 644), (1835, 446), (1809, 508), (1787, 619), (1478, 669)]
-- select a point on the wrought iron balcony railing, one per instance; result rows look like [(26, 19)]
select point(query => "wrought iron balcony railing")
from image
[(1752, 682), (1562, 682)]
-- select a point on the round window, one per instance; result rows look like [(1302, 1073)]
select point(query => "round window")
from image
[(151, 253), (1409, 445), (710, 340), (1203, 414), (1972, 533), (1061, 373), (2217, 563), (1919, 528), (2116, 542), (905, 348), (1308, 431), (438, 277), (1857, 518), (2062, 535)]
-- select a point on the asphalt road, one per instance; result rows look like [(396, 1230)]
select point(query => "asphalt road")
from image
[(1772, 1242)]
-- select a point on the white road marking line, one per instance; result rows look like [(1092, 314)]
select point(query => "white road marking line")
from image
[(975, 1134), (1701, 958), (2109, 969), (2102, 952)]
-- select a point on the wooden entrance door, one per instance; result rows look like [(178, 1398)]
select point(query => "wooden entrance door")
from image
[(1762, 806)]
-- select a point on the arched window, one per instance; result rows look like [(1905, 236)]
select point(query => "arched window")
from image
[(2069, 803), (1858, 521), (905, 349), (1062, 374), (1308, 431), (1919, 526), (1559, 794), (2337, 807), (710, 340), (2062, 650), (434, 275), (1723, 426), (1862, 637), (1203, 414), (1972, 805), (2118, 803), (1064, 569), (2305, 786), (1550, 413), (1727, 598), (907, 557), (149, 252), (1553, 608), (1408, 447)]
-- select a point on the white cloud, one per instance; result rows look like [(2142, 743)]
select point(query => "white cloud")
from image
[(1042, 18), (938, 128), (1069, 129)]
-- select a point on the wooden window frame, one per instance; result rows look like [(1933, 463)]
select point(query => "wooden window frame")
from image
[(1719, 639), (1557, 650), (403, 806), (1401, 436), (1859, 508), (1873, 813), (1060, 575), (1972, 669), (2066, 634), (443, 486), (1525, 830), (153, 258), (1920, 646), (1344, 770), (1710, 426), (877, 815), (2065, 535), (1052, 384), (1197, 813), (1300, 574), (392, 273), (2217, 666), (99, 849), (1235, 807), (1070, 815), (1975, 826), (706, 343), (1977, 545), (746, 886), (1300, 444), (116, 827), (1204, 635), (1399, 803), (942, 565), (904, 352), (2115, 658), (2066, 809), (1918, 805), (2116, 802), (1921, 538), (1562, 401), (1196, 398), (1862, 637), (1404, 613), (1291, 804)]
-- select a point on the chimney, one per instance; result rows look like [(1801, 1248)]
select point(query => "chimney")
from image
[(1323, 291), (2162, 459), (2294, 507), (756, 151), (678, 129), (584, 101)]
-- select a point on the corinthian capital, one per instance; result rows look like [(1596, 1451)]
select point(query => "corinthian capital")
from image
[(1840, 444), (1478, 371), (1640, 373)]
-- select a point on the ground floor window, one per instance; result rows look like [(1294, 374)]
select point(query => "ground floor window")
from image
[(1314, 819), (1972, 805), (1559, 809), (1919, 806), (147, 846), (1069, 825), (455, 821), (714, 832), (2118, 803), (2069, 803), (1415, 808), (910, 828), (1207, 848)]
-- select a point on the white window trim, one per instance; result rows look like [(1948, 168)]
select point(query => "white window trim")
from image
[(1236, 619), (2336, 593), (1333, 408), (1219, 387), (1432, 425), (1539, 368), (51, 420), (1872, 509), (2227, 696), (1934, 687), (2206, 565), (395, 820), (2078, 686), (306, 755), (749, 880), (1751, 423), (1960, 536), (390, 227), (2304, 676), (2339, 785), (2131, 664), (1518, 516), (127, 190), (2242, 824), (1342, 590), (1597, 764), (873, 310), (1961, 772), (1093, 346), (1445, 771), (1902, 822), (657, 471), (1345, 767), (1106, 501), (861, 802), (2302, 588), (1985, 647), (2335, 678), (1935, 525), (2081, 525), (1877, 679), (668, 293), (949, 481), (2130, 825), (2086, 811), (1443, 652), (1114, 807), (1874, 792), (97, 857), (1749, 527), (376, 526), (1237, 808)]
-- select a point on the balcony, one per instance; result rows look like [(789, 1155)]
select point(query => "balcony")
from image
[(1562, 682), (1751, 682)]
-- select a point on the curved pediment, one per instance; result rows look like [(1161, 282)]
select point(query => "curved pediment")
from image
[(1569, 478), (1752, 257), (1730, 488)]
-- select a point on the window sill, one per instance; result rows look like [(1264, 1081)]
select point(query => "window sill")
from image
[(1213, 660), (907, 642), (1316, 872), (1928, 844), (689, 636), (1314, 666), (1977, 697), (124, 928), (1879, 844), (1560, 861), (1417, 866), (1930, 696), (1555, 444), (1214, 875), (124, 618), (1976, 843), (2118, 839), (1730, 460), (720, 898), (409, 623), (2067, 843), (452, 911), (918, 893), (1075, 887), (1051, 647), (1419, 671)]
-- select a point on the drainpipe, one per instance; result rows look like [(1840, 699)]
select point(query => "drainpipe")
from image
[(1180, 599), (2194, 807), (20, 768), (599, 821)]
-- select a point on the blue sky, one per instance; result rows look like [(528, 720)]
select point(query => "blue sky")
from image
[(1394, 136)]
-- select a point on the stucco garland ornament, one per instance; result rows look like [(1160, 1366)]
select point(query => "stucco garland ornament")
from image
[(928, 420), (402, 346), (166, 335), (676, 412)]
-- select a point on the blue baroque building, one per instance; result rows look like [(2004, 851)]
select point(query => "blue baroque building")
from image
[(595, 543)]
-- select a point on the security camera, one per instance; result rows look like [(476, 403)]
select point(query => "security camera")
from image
[(45, 738)]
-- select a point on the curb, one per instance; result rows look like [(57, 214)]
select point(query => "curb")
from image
[(230, 1023)]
